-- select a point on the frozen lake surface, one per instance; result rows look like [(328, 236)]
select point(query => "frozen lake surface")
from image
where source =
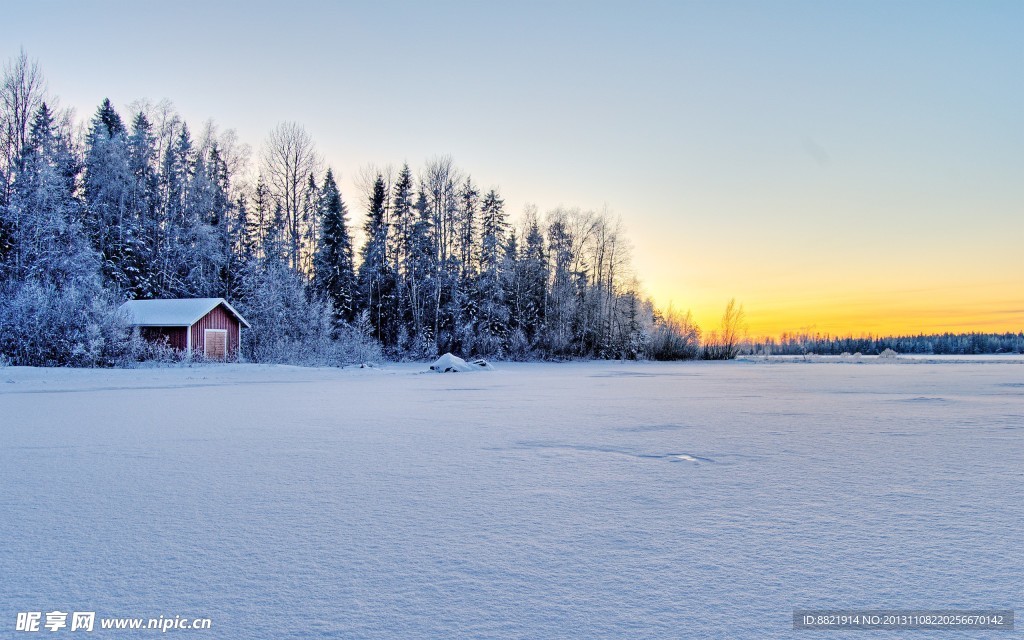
[(538, 500)]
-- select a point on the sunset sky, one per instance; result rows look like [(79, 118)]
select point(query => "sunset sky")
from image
[(847, 167)]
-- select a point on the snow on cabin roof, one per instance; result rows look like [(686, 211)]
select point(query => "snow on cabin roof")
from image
[(180, 312)]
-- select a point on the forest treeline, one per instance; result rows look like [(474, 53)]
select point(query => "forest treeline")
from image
[(136, 205), (938, 344)]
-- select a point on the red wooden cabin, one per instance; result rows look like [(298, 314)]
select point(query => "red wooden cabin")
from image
[(206, 326)]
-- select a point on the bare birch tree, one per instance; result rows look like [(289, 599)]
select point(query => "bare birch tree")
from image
[(289, 159), (22, 92)]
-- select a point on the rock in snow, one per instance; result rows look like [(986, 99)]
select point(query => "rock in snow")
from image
[(454, 364)]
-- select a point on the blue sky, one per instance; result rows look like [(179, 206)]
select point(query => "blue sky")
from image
[(841, 166)]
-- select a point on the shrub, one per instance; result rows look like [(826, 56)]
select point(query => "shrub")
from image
[(76, 324), (291, 327), (675, 337)]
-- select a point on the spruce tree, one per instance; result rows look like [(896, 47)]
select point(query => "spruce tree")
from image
[(204, 246), (420, 278), (402, 218), (469, 197), (492, 315), (262, 215), (113, 225), (47, 243), (561, 303), (309, 226), (334, 274), (242, 246), (376, 279), (143, 203), (109, 118), (535, 277)]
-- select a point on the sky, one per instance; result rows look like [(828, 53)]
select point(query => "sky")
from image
[(836, 167)]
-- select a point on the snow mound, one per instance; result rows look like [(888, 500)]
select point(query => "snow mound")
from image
[(888, 354), (454, 364)]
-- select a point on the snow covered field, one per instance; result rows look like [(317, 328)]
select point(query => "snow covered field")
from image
[(538, 500)]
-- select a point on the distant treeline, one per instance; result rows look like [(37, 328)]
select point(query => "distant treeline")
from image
[(945, 343)]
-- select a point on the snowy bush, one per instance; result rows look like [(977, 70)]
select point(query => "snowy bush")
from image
[(675, 336), (354, 343), (74, 325), (291, 327), (154, 352), (518, 347), (287, 327), (888, 354)]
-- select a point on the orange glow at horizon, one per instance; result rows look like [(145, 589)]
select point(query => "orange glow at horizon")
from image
[(921, 262), (874, 296), (973, 309)]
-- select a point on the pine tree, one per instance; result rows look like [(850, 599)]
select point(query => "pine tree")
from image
[(178, 167), (400, 248), (420, 279), (493, 227), (111, 222), (48, 244), (242, 246), (276, 242), (309, 226), (143, 203), (469, 197), (220, 218), (204, 245), (334, 274), (514, 288), (262, 215), (376, 276), (561, 304), (535, 276), (109, 118), (177, 170), (401, 218), (492, 309), (53, 308)]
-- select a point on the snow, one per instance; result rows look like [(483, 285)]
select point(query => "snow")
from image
[(567, 500), (454, 364), (183, 312)]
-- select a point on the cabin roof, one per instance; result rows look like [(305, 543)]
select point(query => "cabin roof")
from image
[(177, 312)]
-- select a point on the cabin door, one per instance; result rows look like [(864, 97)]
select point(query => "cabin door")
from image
[(215, 343)]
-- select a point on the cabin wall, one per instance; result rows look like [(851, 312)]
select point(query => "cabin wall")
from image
[(175, 337), (218, 318)]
